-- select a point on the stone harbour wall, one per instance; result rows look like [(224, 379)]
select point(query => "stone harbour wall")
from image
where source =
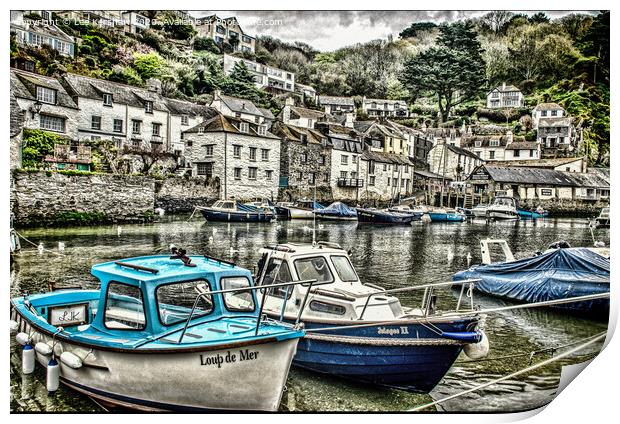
[(177, 195)]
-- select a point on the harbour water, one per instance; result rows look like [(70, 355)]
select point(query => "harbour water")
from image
[(386, 256)]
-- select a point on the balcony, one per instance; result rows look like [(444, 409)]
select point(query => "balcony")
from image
[(350, 182)]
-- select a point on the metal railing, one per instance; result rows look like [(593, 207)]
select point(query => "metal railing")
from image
[(204, 295), (428, 293)]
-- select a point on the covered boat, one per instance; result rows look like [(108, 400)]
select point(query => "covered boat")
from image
[(336, 211), (557, 274), (179, 333), (377, 216), (503, 207), (361, 331), (445, 215), (233, 211)]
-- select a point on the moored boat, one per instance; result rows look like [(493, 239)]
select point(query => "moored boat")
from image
[(376, 216), (337, 211), (360, 331), (162, 333), (415, 212), (503, 207), (445, 215), (558, 273), (533, 213), (480, 210), (233, 211)]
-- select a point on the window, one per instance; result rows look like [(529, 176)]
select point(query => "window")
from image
[(554, 113), (343, 174), (257, 119), (46, 95), (220, 29), (124, 307), (543, 113), (243, 127), (264, 154), (531, 153), (52, 123), (156, 129), (209, 150), (491, 154), (184, 120), (371, 180), (148, 106), (242, 301), (269, 175), (303, 158), (201, 130), (385, 166), (175, 301), (206, 169), (237, 151), (118, 125), (262, 130), (136, 126), (388, 182), (494, 143), (354, 159), (311, 178), (283, 276), (353, 174), (237, 173), (406, 169), (344, 159), (322, 160), (517, 153), (246, 39), (344, 269), (107, 99), (326, 177), (233, 34), (300, 176), (328, 308), (314, 269), (253, 153), (303, 138), (237, 114), (95, 122), (252, 173), (190, 143)]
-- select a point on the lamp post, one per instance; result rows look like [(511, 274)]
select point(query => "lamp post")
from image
[(36, 108)]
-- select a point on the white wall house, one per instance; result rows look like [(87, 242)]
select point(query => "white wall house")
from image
[(385, 108), (451, 161), (236, 107), (40, 33), (246, 162), (227, 30), (505, 96), (135, 22), (264, 75), (299, 116), (336, 105)]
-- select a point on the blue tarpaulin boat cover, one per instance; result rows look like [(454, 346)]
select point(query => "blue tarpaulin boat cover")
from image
[(339, 209), (558, 274)]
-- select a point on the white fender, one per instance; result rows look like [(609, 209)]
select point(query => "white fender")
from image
[(13, 325), (53, 375), (71, 360), (477, 350), (28, 359), (22, 338), (43, 348)]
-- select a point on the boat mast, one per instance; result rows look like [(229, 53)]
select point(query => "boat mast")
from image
[(314, 218)]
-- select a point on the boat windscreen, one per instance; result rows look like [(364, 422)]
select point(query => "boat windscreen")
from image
[(344, 268), (315, 268), (237, 301), (175, 301)]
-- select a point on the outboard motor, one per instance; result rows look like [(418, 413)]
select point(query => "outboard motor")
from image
[(560, 244)]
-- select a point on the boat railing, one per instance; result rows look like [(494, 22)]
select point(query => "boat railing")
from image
[(427, 303), (204, 294)]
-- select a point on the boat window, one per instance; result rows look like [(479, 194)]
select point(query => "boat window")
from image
[(124, 308), (228, 205), (218, 204), (314, 269), (328, 308), (175, 301), (278, 272), (237, 301), (344, 268)]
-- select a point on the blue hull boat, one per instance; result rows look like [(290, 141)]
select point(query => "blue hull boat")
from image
[(386, 355), (557, 274), (446, 217), (337, 211), (383, 217), (525, 214), (231, 211)]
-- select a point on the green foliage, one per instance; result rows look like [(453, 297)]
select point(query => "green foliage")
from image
[(36, 145), (417, 27), (149, 65), (206, 44), (126, 75), (71, 218)]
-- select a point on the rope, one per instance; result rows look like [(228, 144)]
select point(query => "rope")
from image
[(373, 341), (37, 246), (530, 354), (596, 338)]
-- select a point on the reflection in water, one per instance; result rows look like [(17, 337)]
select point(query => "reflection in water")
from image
[(386, 256)]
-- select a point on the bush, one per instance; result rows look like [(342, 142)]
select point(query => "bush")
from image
[(206, 44), (149, 65), (36, 145), (125, 75)]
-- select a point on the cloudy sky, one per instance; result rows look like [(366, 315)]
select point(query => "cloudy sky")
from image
[(327, 30)]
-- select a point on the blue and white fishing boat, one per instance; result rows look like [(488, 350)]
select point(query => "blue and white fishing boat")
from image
[(533, 213), (337, 211), (162, 333), (234, 211), (559, 273), (360, 331), (445, 215)]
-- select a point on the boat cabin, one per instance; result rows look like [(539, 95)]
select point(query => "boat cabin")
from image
[(229, 205), (338, 293)]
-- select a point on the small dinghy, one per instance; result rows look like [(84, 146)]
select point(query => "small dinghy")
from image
[(558, 273), (445, 215), (233, 211), (416, 213), (163, 333), (533, 213), (337, 211), (376, 216), (360, 331)]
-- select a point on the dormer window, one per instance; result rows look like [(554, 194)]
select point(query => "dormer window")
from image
[(243, 127), (184, 120), (148, 107), (494, 143), (46, 95), (478, 143), (303, 138), (107, 99), (201, 130), (262, 130)]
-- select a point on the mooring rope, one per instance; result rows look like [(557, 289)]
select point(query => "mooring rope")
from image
[(596, 338), (37, 246)]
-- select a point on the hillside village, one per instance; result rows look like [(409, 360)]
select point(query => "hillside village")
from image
[(266, 132)]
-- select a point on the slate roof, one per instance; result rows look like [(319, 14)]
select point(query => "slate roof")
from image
[(384, 101), (46, 29), (386, 158), (554, 122), (336, 100), (431, 175), (522, 145), (181, 107), (538, 163), (485, 140), (266, 113), (292, 133), (91, 88), (307, 113), (522, 175), (548, 106), (508, 88), (237, 104), (23, 85), (221, 123), (17, 117), (460, 151)]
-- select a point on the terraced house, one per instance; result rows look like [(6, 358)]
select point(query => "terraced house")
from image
[(237, 154), (385, 108), (38, 33), (554, 128), (265, 76)]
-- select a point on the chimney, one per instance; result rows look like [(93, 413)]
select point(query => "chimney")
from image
[(509, 138), (290, 101), (348, 120), (153, 85), (504, 86)]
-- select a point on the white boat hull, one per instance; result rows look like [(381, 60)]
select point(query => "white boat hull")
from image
[(297, 213), (502, 214), (185, 381), (479, 213)]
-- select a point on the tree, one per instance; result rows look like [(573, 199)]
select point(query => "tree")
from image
[(149, 65), (206, 44), (497, 21), (36, 145), (539, 18), (417, 27), (453, 71), (595, 43)]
